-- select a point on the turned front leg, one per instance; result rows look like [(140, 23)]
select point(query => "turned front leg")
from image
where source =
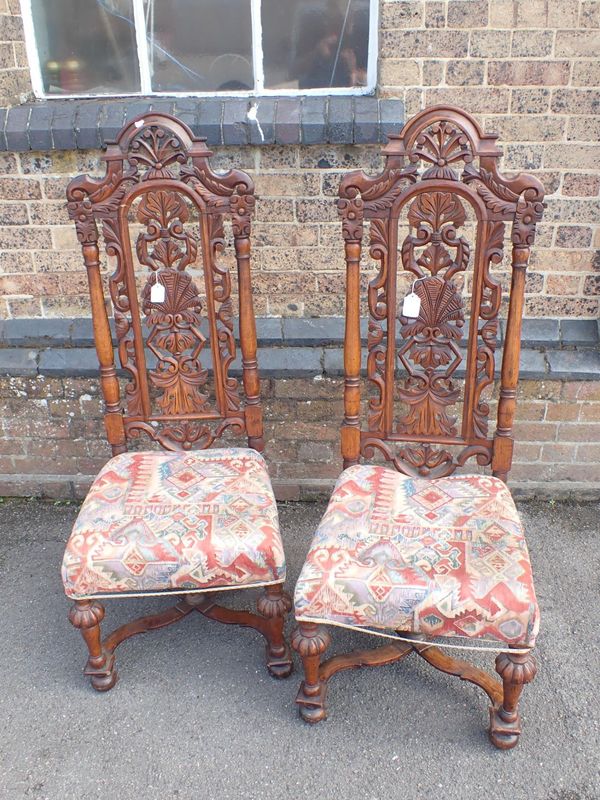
[(310, 641), (515, 669), (274, 604), (87, 616)]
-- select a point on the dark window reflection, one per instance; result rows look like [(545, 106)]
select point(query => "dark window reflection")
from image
[(316, 44), (89, 46), (200, 45), (86, 46)]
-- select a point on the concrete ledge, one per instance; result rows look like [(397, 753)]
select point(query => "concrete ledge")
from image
[(294, 347), (81, 361), (58, 124), (289, 362), (18, 362), (549, 334), (581, 365)]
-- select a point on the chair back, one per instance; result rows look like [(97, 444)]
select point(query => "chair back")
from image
[(160, 210), (437, 217)]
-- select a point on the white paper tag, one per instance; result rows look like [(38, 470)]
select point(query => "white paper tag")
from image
[(157, 292), (411, 305)]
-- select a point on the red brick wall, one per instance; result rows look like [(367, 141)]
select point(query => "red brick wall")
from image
[(53, 437)]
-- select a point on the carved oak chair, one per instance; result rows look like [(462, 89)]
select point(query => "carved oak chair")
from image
[(180, 521), (418, 552)]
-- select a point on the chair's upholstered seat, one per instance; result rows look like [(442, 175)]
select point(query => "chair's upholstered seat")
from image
[(157, 521), (443, 557)]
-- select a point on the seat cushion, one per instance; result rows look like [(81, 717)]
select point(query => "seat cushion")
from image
[(156, 521), (443, 557)]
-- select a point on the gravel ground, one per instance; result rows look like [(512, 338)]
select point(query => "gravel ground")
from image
[(195, 714)]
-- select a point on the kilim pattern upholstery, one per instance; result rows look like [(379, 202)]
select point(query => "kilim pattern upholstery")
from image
[(176, 521), (443, 557)]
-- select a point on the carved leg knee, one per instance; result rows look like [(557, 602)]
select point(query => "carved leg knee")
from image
[(310, 641), (274, 604), (505, 724), (100, 668)]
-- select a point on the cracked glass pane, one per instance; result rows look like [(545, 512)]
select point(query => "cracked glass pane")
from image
[(200, 45), (95, 56)]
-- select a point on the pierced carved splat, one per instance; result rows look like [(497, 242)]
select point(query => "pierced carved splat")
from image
[(177, 349), (430, 356), (177, 342), (441, 172), (174, 323)]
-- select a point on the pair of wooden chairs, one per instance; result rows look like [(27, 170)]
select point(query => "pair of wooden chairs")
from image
[(417, 554)]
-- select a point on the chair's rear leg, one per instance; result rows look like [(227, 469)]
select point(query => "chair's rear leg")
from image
[(310, 641), (100, 668), (274, 604), (505, 724)]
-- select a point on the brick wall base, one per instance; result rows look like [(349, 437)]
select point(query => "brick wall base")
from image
[(53, 437)]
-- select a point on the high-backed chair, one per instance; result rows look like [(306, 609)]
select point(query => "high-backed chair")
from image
[(422, 554), (182, 521)]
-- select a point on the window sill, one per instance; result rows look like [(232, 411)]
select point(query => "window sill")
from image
[(85, 124)]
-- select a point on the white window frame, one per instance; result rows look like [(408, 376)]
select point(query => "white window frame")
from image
[(257, 57)]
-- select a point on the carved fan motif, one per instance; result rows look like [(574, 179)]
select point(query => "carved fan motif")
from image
[(156, 150), (441, 145)]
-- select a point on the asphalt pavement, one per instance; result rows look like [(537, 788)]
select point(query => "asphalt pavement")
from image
[(195, 714)]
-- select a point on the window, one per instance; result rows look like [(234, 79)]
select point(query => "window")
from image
[(115, 47)]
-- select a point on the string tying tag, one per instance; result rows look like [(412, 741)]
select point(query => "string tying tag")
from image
[(157, 291), (412, 303)]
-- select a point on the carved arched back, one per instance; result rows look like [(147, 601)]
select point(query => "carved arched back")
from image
[(440, 168), (158, 176)]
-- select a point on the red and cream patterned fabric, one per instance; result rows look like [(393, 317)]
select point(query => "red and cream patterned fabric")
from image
[(443, 557), (157, 521)]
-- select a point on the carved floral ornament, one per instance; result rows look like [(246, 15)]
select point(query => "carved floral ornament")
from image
[(351, 210), (435, 217), (441, 145), (417, 185), (155, 150)]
